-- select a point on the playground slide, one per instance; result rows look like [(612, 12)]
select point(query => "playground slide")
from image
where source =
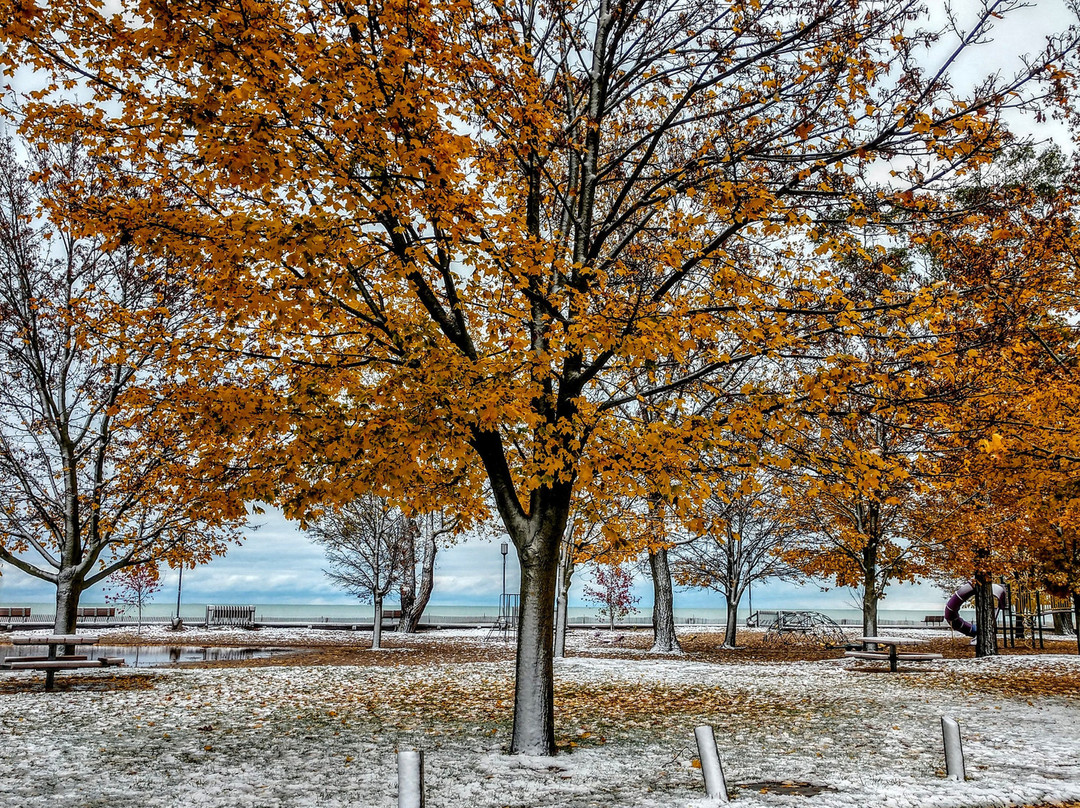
[(952, 608)]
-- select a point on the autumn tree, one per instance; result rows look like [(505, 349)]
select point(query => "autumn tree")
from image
[(852, 498), (1006, 444), (612, 591), (370, 547), (134, 586), (447, 235), (88, 483)]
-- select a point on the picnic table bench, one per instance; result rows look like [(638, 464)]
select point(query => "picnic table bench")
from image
[(892, 655), (53, 661)]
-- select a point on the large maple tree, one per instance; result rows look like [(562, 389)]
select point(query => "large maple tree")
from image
[(453, 237)]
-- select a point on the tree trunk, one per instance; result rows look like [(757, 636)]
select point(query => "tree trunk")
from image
[(534, 699), (985, 616), (68, 591), (869, 570), (376, 633), (732, 623), (566, 572), (663, 614), (870, 606), (1076, 618), (411, 619), (407, 585), (1062, 623)]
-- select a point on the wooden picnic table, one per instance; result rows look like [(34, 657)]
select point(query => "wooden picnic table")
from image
[(55, 660), (892, 655)]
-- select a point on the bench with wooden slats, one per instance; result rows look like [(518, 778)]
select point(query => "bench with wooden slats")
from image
[(883, 656), (62, 663), (58, 660)]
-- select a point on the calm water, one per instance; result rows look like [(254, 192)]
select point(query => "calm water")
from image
[(149, 656), (301, 614)]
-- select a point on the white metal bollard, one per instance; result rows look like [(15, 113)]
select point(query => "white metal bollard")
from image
[(715, 785), (954, 750), (410, 768)]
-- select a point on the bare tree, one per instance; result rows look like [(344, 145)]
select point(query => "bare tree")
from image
[(88, 484), (745, 544), (426, 530), (366, 544)]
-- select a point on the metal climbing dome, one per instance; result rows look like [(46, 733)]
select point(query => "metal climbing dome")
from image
[(790, 627)]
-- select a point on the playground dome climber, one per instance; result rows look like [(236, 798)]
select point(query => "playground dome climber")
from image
[(952, 608)]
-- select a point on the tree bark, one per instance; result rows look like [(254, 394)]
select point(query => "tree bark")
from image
[(663, 615), (732, 623), (566, 572), (68, 590), (407, 582), (985, 616), (870, 570), (1062, 623), (410, 618), (376, 632), (1076, 618), (534, 698)]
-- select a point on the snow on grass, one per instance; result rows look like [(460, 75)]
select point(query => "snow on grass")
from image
[(326, 736)]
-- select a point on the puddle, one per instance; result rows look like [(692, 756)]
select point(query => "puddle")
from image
[(150, 656), (784, 787)]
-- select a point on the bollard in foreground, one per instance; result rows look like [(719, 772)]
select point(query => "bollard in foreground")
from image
[(410, 768), (715, 785), (954, 750)]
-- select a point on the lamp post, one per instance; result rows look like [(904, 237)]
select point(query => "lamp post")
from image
[(505, 548), (179, 586)]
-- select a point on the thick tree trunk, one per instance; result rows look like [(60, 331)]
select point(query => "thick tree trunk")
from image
[(985, 616), (376, 632), (870, 606), (410, 618), (534, 699), (731, 626), (68, 591), (407, 583), (869, 570), (566, 572), (663, 614)]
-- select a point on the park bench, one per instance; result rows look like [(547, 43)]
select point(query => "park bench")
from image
[(934, 620), (52, 661), (230, 615), (95, 612), (892, 656), (22, 612)]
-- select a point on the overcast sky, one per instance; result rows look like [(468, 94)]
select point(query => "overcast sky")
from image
[(279, 564)]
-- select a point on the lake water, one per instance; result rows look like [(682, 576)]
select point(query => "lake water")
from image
[(301, 614)]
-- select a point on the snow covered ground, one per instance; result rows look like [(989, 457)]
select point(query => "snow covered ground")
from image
[(281, 736)]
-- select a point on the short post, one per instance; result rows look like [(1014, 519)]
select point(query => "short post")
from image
[(954, 750), (410, 766), (715, 785)]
